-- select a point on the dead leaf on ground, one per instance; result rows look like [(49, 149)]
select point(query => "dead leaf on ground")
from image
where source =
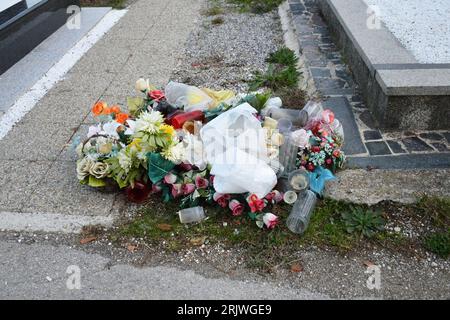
[(132, 248), (197, 241), (368, 263), (296, 267), (87, 240), (164, 227)]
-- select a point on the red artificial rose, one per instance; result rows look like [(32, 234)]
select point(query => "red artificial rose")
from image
[(156, 95), (310, 167)]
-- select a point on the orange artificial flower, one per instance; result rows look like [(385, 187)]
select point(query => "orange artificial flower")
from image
[(115, 109), (107, 111), (99, 108), (121, 118)]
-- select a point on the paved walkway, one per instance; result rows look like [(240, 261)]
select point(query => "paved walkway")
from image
[(37, 165), (35, 278)]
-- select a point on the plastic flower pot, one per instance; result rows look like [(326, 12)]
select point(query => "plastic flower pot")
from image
[(139, 193)]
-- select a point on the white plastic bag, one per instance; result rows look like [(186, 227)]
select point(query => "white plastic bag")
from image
[(188, 97), (314, 109), (235, 146)]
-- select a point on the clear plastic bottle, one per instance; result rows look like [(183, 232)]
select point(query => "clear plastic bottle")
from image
[(302, 211), (299, 118), (288, 157), (191, 215)]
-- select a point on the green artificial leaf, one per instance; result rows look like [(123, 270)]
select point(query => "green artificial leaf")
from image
[(96, 183), (252, 215), (260, 224), (135, 104), (258, 100), (158, 167)]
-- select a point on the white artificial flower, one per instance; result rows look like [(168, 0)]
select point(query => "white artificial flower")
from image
[(99, 170), (142, 85), (301, 138), (131, 127), (195, 153), (94, 130), (110, 129), (175, 153), (83, 168), (149, 122), (125, 160)]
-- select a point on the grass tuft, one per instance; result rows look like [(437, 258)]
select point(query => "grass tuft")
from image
[(438, 243), (213, 11), (257, 6), (217, 21), (116, 4), (281, 73)]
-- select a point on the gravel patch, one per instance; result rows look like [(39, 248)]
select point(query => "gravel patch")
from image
[(421, 26), (225, 55)]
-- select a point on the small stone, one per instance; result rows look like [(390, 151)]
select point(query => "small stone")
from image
[(434, 264), (397, 229), (49, 279)]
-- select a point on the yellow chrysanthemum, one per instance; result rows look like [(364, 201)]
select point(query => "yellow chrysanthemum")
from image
[(168, 129), (136, 143)]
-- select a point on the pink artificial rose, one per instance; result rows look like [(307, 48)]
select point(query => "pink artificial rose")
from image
[(329, 161), (236, 207), (176, 190), (221, 199), (156, 95), (170, 178), (200, 182), (269, 197), (156, 188), (185, 166), (327, 116), (277, 196), (270, 220), (336, 153), (256, 204), (188, 188)]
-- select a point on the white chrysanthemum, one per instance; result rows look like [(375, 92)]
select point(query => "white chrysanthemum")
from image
[(125, 160), (175, 153), (149, 121)]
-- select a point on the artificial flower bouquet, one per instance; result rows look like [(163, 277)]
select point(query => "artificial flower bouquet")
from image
[(157, 147)]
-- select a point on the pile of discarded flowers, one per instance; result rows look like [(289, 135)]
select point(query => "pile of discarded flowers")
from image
[(242, 152)]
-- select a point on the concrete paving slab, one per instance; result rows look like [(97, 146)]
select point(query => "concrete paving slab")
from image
[(18, 180), (35, 141), (69, 107), (69, 153), (96, 61), (59, 192)]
